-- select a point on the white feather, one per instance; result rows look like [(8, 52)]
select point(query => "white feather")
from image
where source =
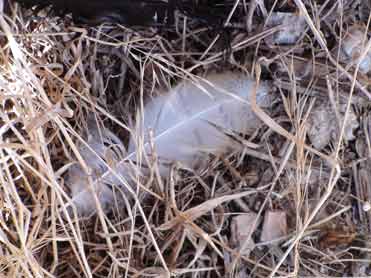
[(101, 148), (187, 123)]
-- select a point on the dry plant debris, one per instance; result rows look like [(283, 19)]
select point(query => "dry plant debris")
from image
[(290, 28), (274, 226), (355, 48), (56, 77), (242, 228), (336, 237), (324, 124)]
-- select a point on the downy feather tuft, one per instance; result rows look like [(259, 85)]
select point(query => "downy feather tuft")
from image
[(101, 148)]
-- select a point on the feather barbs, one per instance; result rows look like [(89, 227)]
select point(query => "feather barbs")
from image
[(190, 117), (184, 125)]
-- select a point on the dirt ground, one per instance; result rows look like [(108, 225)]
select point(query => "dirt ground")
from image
[(293, 199)]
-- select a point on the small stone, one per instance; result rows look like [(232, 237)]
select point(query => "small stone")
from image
[(366, 206)]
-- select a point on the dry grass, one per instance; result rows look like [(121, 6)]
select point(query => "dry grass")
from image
[(53, 75)]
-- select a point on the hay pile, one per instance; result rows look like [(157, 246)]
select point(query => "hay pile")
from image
[(280, 207)]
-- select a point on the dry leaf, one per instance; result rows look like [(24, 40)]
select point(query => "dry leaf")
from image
[(352, 47), (336, 237), (324, 127), (241, 231), (274, 226), (291, 28)]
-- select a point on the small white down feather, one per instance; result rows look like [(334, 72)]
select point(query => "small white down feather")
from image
[(101, 150), (185, 124)]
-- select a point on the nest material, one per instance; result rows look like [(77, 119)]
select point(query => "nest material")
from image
[(54, 76)]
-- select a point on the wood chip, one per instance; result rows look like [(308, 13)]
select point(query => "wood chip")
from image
[(241, 229), (274, 226)]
